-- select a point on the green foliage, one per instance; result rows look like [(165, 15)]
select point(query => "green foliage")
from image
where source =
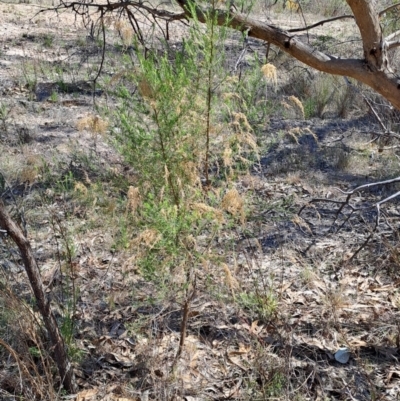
[(35, 352), (263, 305), (4, 112), (30, 75), (157, 125), (48, 40), (181, 125), (275, 385), (322, 92), (54, 97), (248, 94), (390, 21), (6, 314), (66, 183), (67, 330)]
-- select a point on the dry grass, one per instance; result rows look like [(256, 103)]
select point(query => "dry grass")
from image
[(125, 31), (269, 72), (134, 199), (233, 203), (93, 123), (298, 105), (29, 367)]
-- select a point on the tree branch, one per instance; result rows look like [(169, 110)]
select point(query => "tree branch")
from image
[(392, 35), (32, 269), (381, 80), (346, 203), (388, 9), (373, 70), (370, 185), (306, 28), (392, 43), (109, 7)]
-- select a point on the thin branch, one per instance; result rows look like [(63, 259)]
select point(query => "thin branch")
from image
[(370, 185), (395, 195), (300, 9), (386, 134), (185, 317), (241, 55), (392, 35), (103, 55), (306, 28), (388, 9), (316, 200), (346, 203), (76, 6), (33, 272), (393, 44), (374, 112)]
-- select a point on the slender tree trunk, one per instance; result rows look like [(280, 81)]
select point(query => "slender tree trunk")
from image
[(32, 269)]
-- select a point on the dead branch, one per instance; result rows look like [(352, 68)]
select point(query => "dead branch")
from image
[(185, 317), (370, 185), (388, 9), (32, 269), (346, 203), (325, 21), (387, 133)]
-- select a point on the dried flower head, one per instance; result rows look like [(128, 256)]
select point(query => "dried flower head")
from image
[(191, 172), (133, 200), (298, 105), (231, 281), (28, 174), (125, 31), (146, 89), (203, 209), (293, 5), (233, 203), (269, 72), (80, 187), (294, 134), (148, 238), (227, 157)]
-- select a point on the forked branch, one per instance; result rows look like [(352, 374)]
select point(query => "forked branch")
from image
[(347, 203)]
